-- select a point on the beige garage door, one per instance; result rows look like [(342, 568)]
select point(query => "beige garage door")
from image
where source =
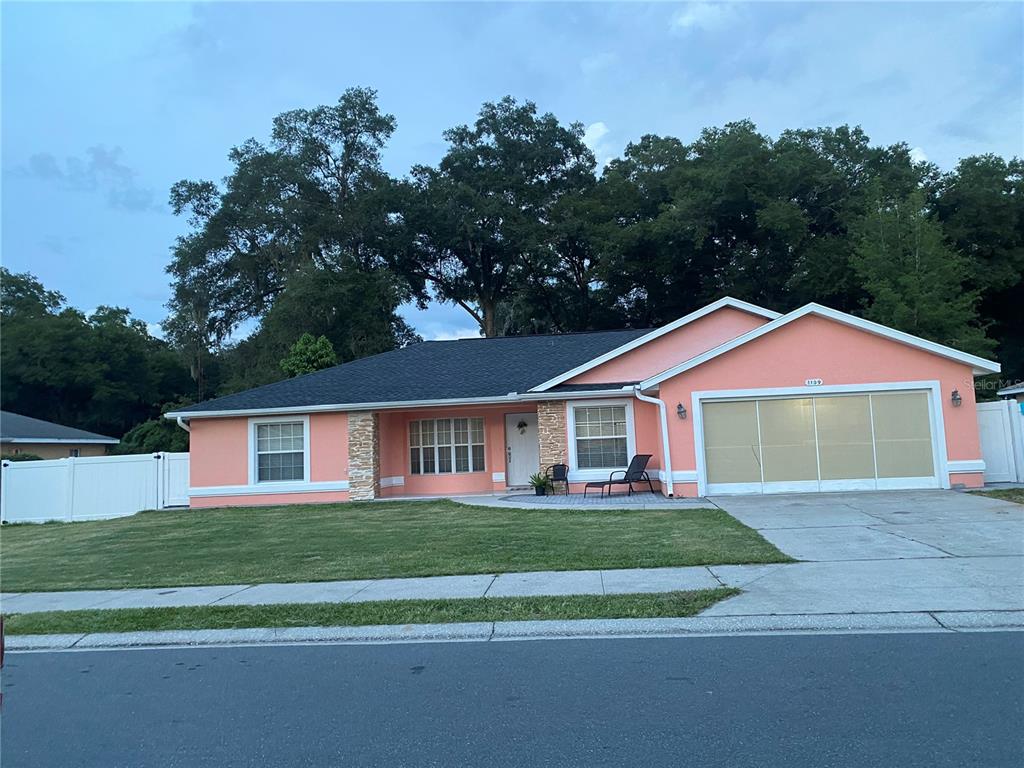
[(860, 441)]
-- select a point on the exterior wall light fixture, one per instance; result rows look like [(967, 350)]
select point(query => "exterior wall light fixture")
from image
[(955, 398), (681, 411)]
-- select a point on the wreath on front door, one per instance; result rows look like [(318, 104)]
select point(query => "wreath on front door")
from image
[(521, 426)]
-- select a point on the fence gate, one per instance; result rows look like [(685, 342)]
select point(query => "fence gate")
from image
[(1001, 427), (92, 488)]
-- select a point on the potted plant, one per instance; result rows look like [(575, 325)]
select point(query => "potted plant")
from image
[(540, 483)]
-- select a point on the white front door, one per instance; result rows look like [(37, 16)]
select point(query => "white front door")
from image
[(522, 448)]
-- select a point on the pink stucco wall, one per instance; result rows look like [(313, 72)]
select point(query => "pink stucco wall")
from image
[(814, 347), (218, 452), (219, 456), (674, 347)]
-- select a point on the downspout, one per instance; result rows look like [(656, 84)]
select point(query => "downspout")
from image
[(183, 424), (662, 411)]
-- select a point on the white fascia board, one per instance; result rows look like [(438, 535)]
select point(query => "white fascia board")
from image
[(728, 301), (62, 440), (979, 365), (579, 395), (1017, 390), (300, 409)]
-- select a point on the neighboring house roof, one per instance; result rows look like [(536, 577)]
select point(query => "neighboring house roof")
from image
[(657, 333), (15, 428), (1016, 390), (978, 364), (431, 371)]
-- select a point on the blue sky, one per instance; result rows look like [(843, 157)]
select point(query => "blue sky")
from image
[(104, 106)]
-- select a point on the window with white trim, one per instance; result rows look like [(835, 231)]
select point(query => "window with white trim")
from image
[(280, 452), (440, 446), (601, 436)]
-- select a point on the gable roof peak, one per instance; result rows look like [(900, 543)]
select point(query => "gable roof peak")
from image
[(725, 301)]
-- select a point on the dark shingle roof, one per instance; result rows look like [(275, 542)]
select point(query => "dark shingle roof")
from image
[(14, 426), (433, 370)]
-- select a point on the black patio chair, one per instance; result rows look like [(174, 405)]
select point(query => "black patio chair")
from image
[(558, 473), (635, 473)]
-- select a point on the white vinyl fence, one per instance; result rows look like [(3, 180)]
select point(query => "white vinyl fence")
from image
[(92, 488), (1001, 428)]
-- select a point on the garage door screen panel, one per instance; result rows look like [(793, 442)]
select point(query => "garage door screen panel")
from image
[(787, 440), (731, 443), (855, 441), (903, 438), (845, 451)]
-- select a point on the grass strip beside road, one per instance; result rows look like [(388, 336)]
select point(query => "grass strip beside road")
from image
[(631, 606)]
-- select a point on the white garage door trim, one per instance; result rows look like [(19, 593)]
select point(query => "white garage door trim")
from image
[(937, 424)]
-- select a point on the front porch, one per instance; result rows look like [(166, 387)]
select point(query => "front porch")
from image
[(492, 449)]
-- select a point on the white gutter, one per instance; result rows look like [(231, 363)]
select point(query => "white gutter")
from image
[(182, 424), (662, 411), (381, 406)]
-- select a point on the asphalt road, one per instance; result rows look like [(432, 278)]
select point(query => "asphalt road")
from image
[(840, 700)]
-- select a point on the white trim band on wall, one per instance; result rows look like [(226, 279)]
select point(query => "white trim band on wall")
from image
[(965, 466), (680, 475), (265, 488)]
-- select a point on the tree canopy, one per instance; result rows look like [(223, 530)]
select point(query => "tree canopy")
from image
[(309, 248)]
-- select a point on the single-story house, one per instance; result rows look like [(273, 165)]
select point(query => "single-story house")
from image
[(1016, 392), (732, 398), (25, 435)]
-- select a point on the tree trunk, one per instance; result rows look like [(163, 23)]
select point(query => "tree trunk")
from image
[(488, 325)]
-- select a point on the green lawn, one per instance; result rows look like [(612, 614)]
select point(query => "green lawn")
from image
[(658, 605), (1006, 494), (362, 540)]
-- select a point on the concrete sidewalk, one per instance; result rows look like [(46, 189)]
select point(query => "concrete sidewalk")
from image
[(605, 582)]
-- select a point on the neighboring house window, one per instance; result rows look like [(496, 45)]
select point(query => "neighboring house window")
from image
[(280, 452), (601, 437), (446, 445), (73, 453)]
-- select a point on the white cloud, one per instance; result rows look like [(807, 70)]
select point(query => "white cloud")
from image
[(455, 333), (917, 155), (594, 138), (702, 15), (594, 133)]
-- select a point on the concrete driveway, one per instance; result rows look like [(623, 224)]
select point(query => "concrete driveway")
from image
[(884, 551)]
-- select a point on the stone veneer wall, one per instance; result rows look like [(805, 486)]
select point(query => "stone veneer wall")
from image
[(551, 432), (363, 456)]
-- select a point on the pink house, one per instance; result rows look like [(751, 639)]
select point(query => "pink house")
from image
[(732, 398)]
